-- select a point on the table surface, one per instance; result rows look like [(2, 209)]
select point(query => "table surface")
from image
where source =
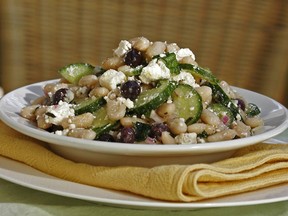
[(18, 200)]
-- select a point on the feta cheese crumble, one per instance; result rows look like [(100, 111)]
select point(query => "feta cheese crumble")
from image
[(111, 78), (62, 133), (126, 101), (185, 78), (186, 138), (123, 47), (56, 113), (155, 70), (185, 52)]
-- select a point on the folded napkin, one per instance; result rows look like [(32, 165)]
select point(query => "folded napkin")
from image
[(251, 168)]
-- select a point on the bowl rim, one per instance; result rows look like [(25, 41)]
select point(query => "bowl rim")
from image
[(133, 149)]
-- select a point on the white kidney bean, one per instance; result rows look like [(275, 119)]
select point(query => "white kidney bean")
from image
[(40, 111), (172, 47), (254, 122), (210, 118), (89, 81), (158, 47), (156, 117), (188, 60), (129, 121), (126, 69), (52, 87), (227, 89), (166, 109), (114, 94), (177, 125), (112, 63), (210, 129), (28, 112), (82, 133), (201, 127), (84, 120), (49, 88), (227, 134), (242, 129), (98, 92), (80, 92), (115, 109), (196, 128), (140, 43), (41, 122), (166, 138), (206, 94)]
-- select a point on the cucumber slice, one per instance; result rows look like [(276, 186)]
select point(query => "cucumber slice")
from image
[(188, 103), (152, 98), (74, 72), (89, 105), (102, 124), (200, 72), (224, 113)]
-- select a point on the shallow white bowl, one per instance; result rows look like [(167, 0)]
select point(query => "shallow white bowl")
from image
[(274, 114)]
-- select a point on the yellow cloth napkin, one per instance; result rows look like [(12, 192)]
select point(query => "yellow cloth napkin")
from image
[(251, 168)]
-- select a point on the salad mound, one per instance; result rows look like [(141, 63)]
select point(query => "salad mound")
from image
[(146, 92)]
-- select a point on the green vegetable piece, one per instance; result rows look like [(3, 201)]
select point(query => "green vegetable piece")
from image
[(105, 129), (188, 103), (152, 98), (102, 124), (224, 113), (219, 96), (203, 135), (200, 72), (98, 70), (101, 118), (74, 72), (171, 62), (133, 71), (89, 105), (141, 131), (252, 110)]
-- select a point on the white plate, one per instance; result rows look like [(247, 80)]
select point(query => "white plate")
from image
[(26, 176), (102, 153)]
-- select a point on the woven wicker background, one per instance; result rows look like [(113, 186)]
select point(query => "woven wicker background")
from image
[(244, 42)]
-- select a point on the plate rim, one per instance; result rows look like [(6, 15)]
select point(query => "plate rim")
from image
[(146, 203), (138, 149)]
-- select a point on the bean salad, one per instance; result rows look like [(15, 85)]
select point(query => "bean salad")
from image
[(146, 92)]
